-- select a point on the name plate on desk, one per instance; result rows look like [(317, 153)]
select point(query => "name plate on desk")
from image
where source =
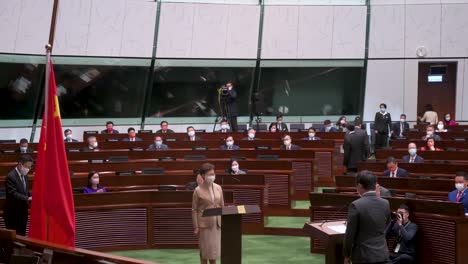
[(241, 209), (340, 229)]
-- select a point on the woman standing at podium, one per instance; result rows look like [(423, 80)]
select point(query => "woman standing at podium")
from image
[(208, 229)]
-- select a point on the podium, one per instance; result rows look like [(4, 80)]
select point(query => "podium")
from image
[(332, 233), (231, 230)]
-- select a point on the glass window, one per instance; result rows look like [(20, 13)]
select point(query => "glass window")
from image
[(89, 91), (19, 89), (310, 91), (187, 91)]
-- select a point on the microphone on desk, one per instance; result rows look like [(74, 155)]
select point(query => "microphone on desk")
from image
[(334, 214)]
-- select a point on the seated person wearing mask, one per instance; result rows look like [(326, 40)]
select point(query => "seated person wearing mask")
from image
[(448, 121), (440, 127), (430, 134), (224, 126), (413, 157), (328, 127), (23, 147), (191, 134), (234, 168), (430, 145), (109, 128), (404, 232), (69, 136), (251, 135), (311, 136), (280, 126), (287, 145), (158, 144), (400, 128), (92, 145), (229, 144), (131, 136), (393, 171), (460, 194), (272, 128), (93, 184), (164, 128)]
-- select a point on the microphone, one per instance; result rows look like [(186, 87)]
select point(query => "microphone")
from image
[(334, 214)]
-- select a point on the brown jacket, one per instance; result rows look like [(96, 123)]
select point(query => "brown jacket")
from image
[(202, 200)]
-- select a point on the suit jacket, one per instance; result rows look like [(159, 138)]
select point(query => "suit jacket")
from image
[(332, 129), (396, 128), (197, 138), (368, 218), (231, 104), (311, 139), (73, 140), (452, 197), (435, 136), (201, 200), (382, 122), (234, 147), (293, 147), (281, 127), (87, 149), (400, 173), (408, 236), (238, 172), (154, 147), (417, 159), (128, 139), (355, 148), (107, 132), (224, 131), (16, 202), (28, 150), (248, 139), (160, 131)]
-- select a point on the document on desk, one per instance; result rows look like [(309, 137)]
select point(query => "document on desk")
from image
[(341, 229)]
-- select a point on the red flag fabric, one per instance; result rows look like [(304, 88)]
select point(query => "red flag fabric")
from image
[(52, 209)]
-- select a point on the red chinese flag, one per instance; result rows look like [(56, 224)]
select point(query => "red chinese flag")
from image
[(52, 208)]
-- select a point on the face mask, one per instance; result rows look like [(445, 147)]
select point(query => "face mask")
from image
[(132, 135), (382, 110), (109, 129), (280, 121), (158, 143), (164, 127), (251, 135), (210, 179), (440, 127), (95, 181), (69, 136), (23, 149), (412, 152), (229, 143), (191, 133), (402, 120), (447, 119), (224, 127), (24, 171), (95, 145), (311, 135), (273, 130), (327, 129), (287, 142), (343, 121), (460, 186), (429, 133), (393, 169), (235, 168)]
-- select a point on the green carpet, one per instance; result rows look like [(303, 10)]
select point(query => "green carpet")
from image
[(286, 221), (256, 250), (301, 204)]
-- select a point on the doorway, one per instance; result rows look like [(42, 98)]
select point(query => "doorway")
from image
[(437, 86)]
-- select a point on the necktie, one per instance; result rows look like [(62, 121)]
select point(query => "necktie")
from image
[(459, 196), (401, 129), (22, 180), (411, 160), (392, 175)]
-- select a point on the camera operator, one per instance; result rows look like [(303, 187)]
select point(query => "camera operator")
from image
[(230, 105), (404, 233)]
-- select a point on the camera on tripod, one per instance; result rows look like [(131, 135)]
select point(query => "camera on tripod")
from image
[(224, 90)]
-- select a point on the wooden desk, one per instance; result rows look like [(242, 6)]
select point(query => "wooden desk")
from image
[(458, 156), (460, 128), (403, 144), (416, 169)]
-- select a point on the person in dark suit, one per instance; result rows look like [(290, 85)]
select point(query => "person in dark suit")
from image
[(191, 134), (381, 191), (224, 127), (280, 126), (354, 147), (23, 147), (109, 128), (393, 171), (92, 145), (164, 128), (399, 129), (18, 197), (430, 134), (131, 135), (361, 132), (69, 136), (328, 127), (229, 144), (230, 102), (368, 217), (382, 126), (460, 194), (413, 157), (287, 144), (312, 131), (404, 232), (158, 144), (251, 135)]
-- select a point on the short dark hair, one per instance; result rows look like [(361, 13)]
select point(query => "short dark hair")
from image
[(250, 129), (189, 127), (350, 127), (206, 167), (90, 175), (312, 128), (367, 180), (392, 160), (26, 158), (162, 122), (461, 174), (66, 131), (403, 115), (130, 129), (429, 107), (428, 126), (279, 116), (23, 140), (109, 123), (327, 122), (285, 135), (224, 120), (404, 207), (383, 104), (228, 137)]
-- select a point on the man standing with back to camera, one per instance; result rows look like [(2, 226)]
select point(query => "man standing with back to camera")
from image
[(368, 218), (230, 105)]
